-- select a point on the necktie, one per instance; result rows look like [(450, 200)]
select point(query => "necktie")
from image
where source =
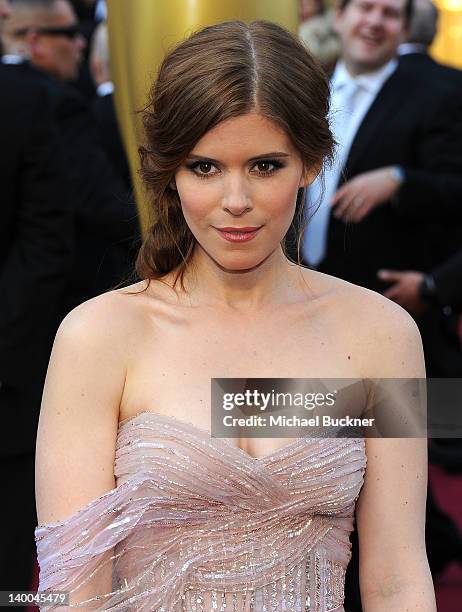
[(315, 237)]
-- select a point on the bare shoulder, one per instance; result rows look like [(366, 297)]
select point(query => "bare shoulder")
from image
[(389, 334), (386, 335), (92, 352), (80, 405), (118, 305), (111, 316)]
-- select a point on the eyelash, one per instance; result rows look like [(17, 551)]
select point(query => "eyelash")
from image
[(273, 162)]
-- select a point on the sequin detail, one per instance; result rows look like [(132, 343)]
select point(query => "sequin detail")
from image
[(196, 524)]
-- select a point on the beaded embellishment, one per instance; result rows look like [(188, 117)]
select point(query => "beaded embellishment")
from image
[(196, 524)]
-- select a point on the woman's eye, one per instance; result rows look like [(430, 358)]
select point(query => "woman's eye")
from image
[(264, 166), (267, 167), (204, 167)]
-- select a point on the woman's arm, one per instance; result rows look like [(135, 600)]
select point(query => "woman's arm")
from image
[(79, 419), (394, 571)]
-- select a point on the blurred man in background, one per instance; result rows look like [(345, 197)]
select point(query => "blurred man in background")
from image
[(414, 53), (392, 198), (103, 104), (105, 214), (47, 33), (57, 184), (316, 31), (36, 253), (396, 158), (432, 297), (422, 29), (85, 11)]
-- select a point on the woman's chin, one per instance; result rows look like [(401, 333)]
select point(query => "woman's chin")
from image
[(235, 260), (240, 262)]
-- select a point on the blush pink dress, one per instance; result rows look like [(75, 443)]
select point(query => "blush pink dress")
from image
[(196, 524)]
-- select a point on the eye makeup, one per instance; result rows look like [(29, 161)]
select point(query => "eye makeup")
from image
[(203, 168)]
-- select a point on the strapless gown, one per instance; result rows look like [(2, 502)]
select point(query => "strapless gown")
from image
[(196, 524)]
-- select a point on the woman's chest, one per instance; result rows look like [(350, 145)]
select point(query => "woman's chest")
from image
[(176, 367)]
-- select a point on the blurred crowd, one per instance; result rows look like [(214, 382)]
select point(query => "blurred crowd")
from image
[(387, 211), (70, 227)]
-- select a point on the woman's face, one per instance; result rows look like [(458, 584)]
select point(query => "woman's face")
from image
[(243, 174)]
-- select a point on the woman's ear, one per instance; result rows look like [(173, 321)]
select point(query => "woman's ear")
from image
[(309, 175)]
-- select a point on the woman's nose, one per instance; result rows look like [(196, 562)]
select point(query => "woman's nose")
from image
[(236, 198)]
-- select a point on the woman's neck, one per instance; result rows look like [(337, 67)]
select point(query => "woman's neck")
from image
[(274, 281)]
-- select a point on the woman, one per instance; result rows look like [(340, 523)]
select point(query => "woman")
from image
[(141, 509)]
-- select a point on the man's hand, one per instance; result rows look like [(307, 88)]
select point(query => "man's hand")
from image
[(356, 198), (405, 289)]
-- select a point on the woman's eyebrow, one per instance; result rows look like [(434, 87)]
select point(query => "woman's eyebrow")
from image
[(257, 157), (270, 155)]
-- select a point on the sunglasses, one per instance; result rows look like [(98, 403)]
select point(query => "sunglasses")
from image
[(70, 32)]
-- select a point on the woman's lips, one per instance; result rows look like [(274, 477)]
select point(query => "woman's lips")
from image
[(238, 236)]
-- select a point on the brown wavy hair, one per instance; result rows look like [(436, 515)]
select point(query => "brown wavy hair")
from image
[(224, 71)]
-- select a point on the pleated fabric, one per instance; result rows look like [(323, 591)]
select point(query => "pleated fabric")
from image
[(196, 524)]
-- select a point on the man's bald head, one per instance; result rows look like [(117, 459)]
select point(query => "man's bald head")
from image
[(46, 32), (33, 9), (424, 23), (23, 15), (34, 4)]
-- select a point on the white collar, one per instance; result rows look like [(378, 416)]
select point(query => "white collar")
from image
[(407, 48), (104, 89), (13, 58), (371, 81), (101, 10)]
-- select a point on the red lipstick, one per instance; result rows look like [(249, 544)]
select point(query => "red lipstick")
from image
[(238, 234)]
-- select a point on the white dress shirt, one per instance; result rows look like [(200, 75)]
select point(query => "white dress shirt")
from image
[(351, 98), (101, 10), (104, 89), (407, 48), (13, 59)]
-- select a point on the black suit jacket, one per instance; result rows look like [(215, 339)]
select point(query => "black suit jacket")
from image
[(106, 221), (109, 136), (448, 281), (36, 252), (425, 66), (440, 321), (415, 124)]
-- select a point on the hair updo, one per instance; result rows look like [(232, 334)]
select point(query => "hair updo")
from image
[(224, 71)]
